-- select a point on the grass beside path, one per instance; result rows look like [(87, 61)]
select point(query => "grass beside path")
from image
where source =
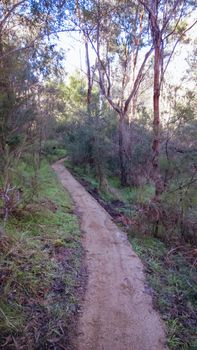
[(171, 280), (41, 271)]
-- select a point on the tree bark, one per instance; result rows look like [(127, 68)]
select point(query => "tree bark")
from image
[(89, 91), (123, 170), (103, 183), (156, 115)]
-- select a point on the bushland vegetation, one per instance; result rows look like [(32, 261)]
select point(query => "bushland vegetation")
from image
[(127, 130)]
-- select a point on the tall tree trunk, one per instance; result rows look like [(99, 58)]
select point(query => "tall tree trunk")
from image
[(123, 171), (89, 79), (156, 119)]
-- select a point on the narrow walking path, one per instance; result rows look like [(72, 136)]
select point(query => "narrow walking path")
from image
[(117, 313)]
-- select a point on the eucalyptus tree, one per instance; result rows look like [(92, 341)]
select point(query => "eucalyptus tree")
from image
[(168, 26), (117, 31)]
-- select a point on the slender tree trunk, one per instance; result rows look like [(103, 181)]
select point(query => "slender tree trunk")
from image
[(123, 171), (156, 119), (89, 92), (103, 183)]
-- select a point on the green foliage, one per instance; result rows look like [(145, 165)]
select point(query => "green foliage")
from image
[(54, 150), (88, 138), (132, 195)]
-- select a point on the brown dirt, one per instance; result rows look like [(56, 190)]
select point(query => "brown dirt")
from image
[(117, 313)]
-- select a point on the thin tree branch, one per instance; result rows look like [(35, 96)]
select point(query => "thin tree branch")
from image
[(10, 12), (175, 45), (170, 15), (137, 80), (177, 23)]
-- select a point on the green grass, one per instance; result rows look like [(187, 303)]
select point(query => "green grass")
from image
[(40, 263), (88, 176), (129, 195), (54, 150), (173, 284), (56, 155), (132, 194)]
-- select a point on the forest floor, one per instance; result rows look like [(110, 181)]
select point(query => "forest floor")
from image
[(117, 311)]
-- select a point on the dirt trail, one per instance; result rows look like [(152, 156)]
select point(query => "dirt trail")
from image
[(117, 313)]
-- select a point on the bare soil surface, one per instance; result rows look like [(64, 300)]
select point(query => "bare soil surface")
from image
[(117, 312)]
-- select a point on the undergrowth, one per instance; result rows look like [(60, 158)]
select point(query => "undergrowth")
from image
[(53, 150), (172, 283), (40, 270)]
